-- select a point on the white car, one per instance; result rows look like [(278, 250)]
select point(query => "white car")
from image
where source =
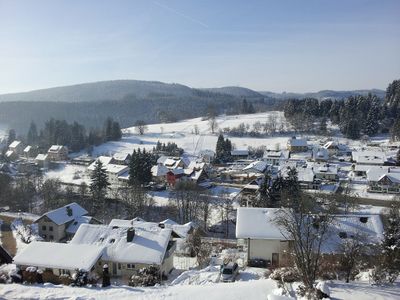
[(229, 272)]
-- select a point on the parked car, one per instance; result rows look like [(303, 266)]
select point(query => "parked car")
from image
[(229, 272)]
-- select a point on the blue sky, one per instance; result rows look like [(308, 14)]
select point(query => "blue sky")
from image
[(277, 45)]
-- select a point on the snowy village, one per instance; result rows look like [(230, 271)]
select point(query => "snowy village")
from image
[(177, 149)]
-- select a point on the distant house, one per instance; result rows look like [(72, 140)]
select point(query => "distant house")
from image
[(369, 157), (384, 180), (17, 147), (256, 167), (307, 179), (326, 171), (264, 240), (159, 173), (129, 248), (59, 258), (320, 154), (114, 171), (207, 155), (30, 151), (42, 160), (172, 162), (121, 158), (11, 155), (53, 225), (240, 154), (275, 158), (174, 176), (297, 145), (332, 148), (57, 153)]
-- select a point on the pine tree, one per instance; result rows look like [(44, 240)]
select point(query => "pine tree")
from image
[(108, 125), (396, 131), (219, 150), (32, 136), (12, 135), (140, 167), (99, 185), (116, 132), (391, 243), (371, 124)]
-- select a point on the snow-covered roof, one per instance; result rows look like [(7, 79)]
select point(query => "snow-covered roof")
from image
[(9, 153), (320, 153), (59, 255), (240, 152), (369, 157), (15, 144), (297, 142), (256, 166), (159, 170), (331, 145), (73, 227), (105, 160), (41, 157), (121, 156), (367, 226), (148, 246), (27, 149), (275, 154), (55, 148), (257, 223), (65, 214), (116, 169), (305, 175)]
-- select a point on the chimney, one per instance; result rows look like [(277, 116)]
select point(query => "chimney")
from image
[(130, 234), (161, 225), (69, 211)]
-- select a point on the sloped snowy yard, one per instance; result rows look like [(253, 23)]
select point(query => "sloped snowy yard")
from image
[(254, 289)]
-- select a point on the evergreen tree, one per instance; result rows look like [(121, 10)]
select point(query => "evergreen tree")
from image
[(99, 185), (108, 126), (391, 243), (372, 121), (351, 129), (32, 136), (140, 167), (12, 135), (398, 158), (323, 126), (396, 130), (116, 131), (219, 150)]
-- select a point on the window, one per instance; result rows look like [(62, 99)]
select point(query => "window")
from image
[(44, 227), (343, 235), (51, 237), (51, 228), (119, 266), (112, 241), (130, 266)]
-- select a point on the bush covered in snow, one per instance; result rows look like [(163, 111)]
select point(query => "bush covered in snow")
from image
[(285, 275), (148, 276)]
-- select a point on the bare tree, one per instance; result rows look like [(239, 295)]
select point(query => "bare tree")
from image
[(199, 248), (141, 127), (186, 197), (212, 123), (196, 129), (352, 250), (308, 230)]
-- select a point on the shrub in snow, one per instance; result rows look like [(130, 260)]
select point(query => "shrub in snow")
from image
[(65, 279), (80, 278), (148, 276), (285, 275), (29, 275)]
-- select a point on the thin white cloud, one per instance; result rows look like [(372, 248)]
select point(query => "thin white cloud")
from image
[(181, 14)]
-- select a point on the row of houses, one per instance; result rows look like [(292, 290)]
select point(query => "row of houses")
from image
[(17, 150), (124, 245)]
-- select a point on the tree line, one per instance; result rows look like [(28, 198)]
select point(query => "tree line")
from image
[(356, 116), (75, 136)]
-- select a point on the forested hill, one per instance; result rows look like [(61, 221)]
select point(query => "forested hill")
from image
[(125, 100), (326, 94), (100, 91)]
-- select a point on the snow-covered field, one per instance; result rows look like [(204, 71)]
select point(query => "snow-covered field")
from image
[(182, 133), (253, 289)]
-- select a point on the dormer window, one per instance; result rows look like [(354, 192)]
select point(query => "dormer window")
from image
[(364, 219), (343, 235), (112, 241)]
